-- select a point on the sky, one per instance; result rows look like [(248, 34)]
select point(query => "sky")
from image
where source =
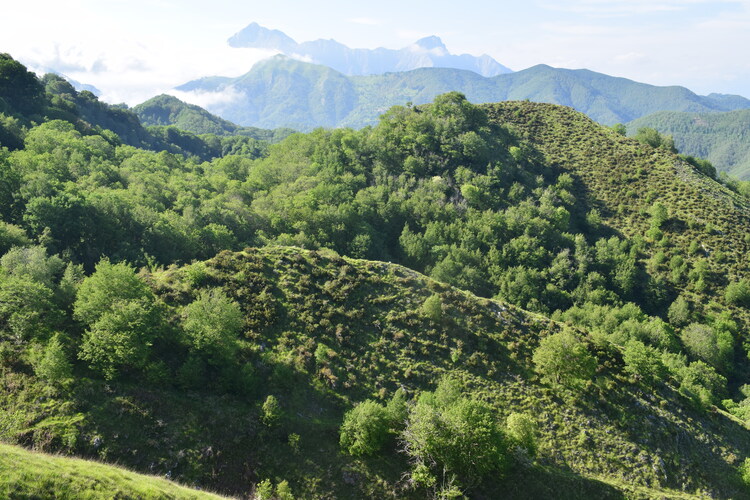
[(132, 50)]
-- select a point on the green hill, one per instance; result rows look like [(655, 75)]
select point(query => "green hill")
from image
[(721, 138), (285, 92), (166, 110), (26, 100), (504, 300), (24, 474)]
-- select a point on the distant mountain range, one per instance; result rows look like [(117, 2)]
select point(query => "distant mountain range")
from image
[(722, 138), (284, 92), (425, 53)]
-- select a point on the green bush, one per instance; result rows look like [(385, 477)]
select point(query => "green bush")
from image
[(738, 293), (271, 411), (522, 433), (562, 358), (364, 430), (433, 308), (455, 435)]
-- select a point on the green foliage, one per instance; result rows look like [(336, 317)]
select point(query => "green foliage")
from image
[(108, 285), (715, 346), (54, 366), (118, 308), (432, 308), (521, 431), (562, 358), (679, 312), (365, 428), (272, 411), (738, 293), (654, 139), (264, 490), (20, 88), (455, 434), (212, 322), (744, 471), (642, 361)]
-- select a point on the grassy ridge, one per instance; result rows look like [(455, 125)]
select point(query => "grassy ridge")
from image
[(25, 474)]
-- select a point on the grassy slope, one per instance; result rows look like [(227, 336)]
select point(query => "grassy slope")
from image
[(24, 474), (624, 178), (722, 138), (615, 438)]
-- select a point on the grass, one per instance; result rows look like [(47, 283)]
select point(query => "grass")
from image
[(26, 474)]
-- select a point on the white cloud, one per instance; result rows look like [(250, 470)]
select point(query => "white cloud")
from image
[(209, 100), (368, 21)]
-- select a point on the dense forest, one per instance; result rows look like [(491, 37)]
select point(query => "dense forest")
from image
[(484, 300)]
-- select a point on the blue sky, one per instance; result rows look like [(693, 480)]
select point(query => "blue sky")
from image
[(134, 49)]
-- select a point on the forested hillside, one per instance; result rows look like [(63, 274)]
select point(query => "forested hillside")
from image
[(165, 110), (499, 301), (722, 138)]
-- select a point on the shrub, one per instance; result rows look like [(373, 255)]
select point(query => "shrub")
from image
[(455, 434), (562, 358), (271, 411), (365, 428), (738, 293), (521, 432), (433, 308)]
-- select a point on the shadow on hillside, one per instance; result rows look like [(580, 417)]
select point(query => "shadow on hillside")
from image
[(540, 482)]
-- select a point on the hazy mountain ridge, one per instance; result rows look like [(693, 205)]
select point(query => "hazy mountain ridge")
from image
[(282, 92), (426, 52)]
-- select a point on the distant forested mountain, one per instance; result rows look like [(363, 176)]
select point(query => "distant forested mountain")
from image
[(283, 92), (722, 138), (167, 110), (426, 52)]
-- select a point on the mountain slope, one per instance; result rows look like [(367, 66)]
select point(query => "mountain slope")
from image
[(281, 92), (615, 437), (426, 52), (721, 138), (24, 474), (166, 110)]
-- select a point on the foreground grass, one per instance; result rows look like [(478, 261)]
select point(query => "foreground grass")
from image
[(26, 474)]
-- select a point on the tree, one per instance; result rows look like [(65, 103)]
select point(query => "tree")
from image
[(19, 87), (110, 283), (120, 338), (738, 293), (643, 361), (118, 307), (715, 346), (54, 366), (212, 322), (453, 434), (562, 358), (364, 430)]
